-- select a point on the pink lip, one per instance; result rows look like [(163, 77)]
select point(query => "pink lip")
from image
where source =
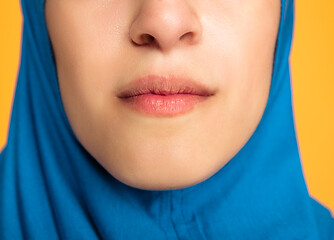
[(163, 96)]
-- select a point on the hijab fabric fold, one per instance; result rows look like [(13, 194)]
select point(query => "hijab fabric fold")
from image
[(52, 188)]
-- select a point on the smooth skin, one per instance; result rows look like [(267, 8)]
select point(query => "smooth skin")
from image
[(101, 45)]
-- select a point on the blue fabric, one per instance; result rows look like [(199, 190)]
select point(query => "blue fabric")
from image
[(51, 188)]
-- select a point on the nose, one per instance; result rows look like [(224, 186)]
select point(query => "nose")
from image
[(165, 24)]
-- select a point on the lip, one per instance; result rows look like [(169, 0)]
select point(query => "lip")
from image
[(156, 95)]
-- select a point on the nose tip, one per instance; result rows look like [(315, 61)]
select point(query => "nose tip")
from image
[(165, 24)]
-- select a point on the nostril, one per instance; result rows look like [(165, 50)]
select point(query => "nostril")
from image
[(188, 37), (144, 39), (147, 39)]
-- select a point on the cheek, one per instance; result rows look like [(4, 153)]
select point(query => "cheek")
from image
[(86, 61), (240, 53), (88, 39), (247, 54)]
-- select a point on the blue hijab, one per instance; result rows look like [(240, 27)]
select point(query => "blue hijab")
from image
[(51, 188)]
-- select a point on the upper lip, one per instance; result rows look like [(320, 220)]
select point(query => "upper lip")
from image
[(164, 85)]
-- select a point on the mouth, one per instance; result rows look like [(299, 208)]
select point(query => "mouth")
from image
[(162, 96)]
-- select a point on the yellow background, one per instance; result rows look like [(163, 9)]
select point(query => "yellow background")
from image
[(312, 81)]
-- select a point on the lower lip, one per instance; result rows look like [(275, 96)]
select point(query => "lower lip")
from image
[(167, 106)]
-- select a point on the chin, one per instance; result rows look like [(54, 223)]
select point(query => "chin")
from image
[(161, 182), (163, 175)]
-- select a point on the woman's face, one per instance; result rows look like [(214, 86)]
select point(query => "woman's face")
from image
[(154, 141)]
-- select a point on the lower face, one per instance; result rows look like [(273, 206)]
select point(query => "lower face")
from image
[(102, 46)]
